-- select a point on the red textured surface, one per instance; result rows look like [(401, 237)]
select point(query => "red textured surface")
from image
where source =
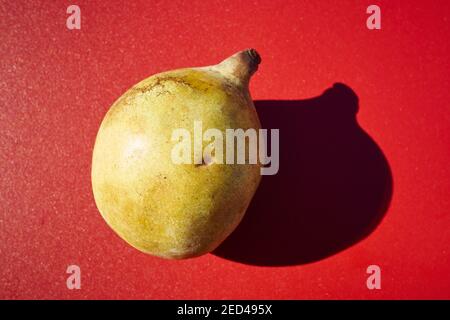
[(57, 84)]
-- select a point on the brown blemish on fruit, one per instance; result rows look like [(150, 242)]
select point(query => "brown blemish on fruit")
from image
[(160, 82)]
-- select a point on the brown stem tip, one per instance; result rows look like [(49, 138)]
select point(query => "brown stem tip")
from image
[(255, 58)]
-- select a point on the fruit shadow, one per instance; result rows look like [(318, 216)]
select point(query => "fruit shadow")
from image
[(333, 187)]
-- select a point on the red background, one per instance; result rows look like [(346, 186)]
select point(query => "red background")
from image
[(57, 84)]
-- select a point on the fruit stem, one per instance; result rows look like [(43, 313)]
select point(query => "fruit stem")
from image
[(240, 66)]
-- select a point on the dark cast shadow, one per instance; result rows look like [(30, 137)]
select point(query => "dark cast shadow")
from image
[(332, 189)]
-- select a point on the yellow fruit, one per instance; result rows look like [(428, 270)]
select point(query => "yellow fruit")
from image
[(159, 207)]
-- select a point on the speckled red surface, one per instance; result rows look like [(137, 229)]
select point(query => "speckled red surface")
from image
[(57, 84)]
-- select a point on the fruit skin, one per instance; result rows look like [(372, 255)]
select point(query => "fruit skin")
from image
[(175, 210)]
